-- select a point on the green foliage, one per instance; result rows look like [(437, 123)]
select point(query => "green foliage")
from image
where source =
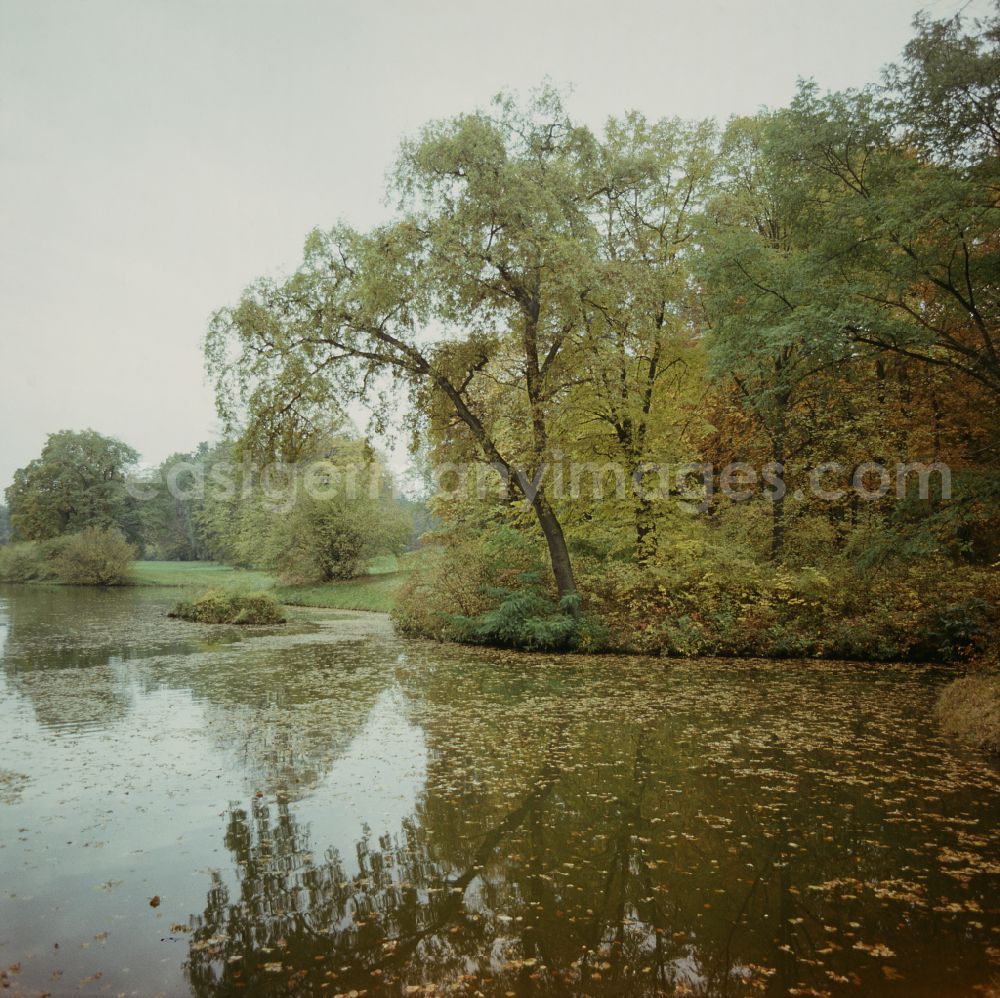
[(77, 482), (529, 618), (704, 600), (814, 288), (817, 283), (495, 246), (93, 557), (455, 577), (218, 606), (171, 514), (946, 92), (487, 588), (312, 522), (25, 562), (711, 604), (321, 540)]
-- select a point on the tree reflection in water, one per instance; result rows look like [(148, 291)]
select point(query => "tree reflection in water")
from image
[(725, 833), (417, 816)]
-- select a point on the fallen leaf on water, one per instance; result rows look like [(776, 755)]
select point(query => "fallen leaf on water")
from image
[(876, 949)]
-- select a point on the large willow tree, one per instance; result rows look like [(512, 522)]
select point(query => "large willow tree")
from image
[(482, 277)]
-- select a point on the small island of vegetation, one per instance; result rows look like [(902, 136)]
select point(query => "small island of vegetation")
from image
[(220, 607)]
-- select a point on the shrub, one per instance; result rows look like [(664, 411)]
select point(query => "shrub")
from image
[(216, 606), (323, 540), (448, 582), (458, 580), (93, 557), (969, 709), (24, 563), (710, 605), (487, 589), (701, 599), (529, 618)]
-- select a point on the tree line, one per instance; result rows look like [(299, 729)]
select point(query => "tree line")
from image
[(811, 289), (207, 504)]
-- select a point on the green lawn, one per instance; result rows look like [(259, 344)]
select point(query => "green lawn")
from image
[(200, 575), (375, 591)]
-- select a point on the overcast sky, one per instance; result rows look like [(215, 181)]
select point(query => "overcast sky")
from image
[(157, 155)]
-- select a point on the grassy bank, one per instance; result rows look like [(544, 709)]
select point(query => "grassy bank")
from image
[(375, 591), (200, 575)]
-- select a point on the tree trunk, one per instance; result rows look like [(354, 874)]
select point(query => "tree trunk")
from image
[(778, 501), (562, 567), (778, 434), (645, 530), (778, 527)]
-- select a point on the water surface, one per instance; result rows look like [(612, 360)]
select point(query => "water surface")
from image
[(328, 808)]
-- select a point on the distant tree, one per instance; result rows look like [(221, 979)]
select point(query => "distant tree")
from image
[(250, 502), (171, 528), (78, 481), (5, 529), (419, 514), (320, 540)]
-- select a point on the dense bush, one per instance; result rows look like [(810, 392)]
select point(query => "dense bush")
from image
[(710, 606), (701, 601), (528, 617), (216, 606), (323, 540), (488, 589), (93, 557), (456, 580), (24, 563)]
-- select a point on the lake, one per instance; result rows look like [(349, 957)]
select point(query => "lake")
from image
[(327, 808)]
